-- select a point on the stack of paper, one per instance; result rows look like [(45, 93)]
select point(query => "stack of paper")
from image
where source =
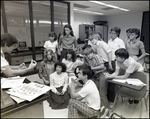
[(28, 91), (132, 81), (11, 82)]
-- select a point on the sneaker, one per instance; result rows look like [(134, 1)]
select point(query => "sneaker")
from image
[(130, 101), (136, 101)]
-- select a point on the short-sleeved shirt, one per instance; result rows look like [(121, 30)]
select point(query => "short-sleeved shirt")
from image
[(134, 47), (67, 42), (103, 49), (94, 62), (3, 61), (51, 45), (91, 95), (130, 65), (114, 45)]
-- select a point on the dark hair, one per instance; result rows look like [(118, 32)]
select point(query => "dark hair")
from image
[(87, 52), (52, 54), (128, 30), (86, 70), (117, 30), (122, 52), (68, 26), (136, 31), (53, 34), (8, 40), (72, 52), (60, 64)]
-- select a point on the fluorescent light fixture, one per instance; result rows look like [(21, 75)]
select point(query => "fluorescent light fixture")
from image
[(89, 12), (45, 22), (28, 21), (108, 5)]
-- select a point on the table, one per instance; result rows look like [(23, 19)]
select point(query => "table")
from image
[(33, 109)]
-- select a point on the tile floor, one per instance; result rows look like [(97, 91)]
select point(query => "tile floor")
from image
[(123, 108)]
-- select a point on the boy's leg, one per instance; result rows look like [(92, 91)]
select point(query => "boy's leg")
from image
[(76, 106), (103, 90)]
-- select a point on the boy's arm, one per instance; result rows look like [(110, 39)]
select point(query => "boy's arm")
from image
[(72, 91), (101, 66)]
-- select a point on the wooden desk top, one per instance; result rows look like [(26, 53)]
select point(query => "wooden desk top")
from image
[(15, 107), (138, 88)]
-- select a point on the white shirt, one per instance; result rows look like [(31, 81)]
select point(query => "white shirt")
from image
[(3, 61), (51, 45), (130, 65), (91, 95), (71, 65), (57, 80), (114, 45), (103, 49)]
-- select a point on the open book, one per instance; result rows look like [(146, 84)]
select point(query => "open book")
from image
[(132, 81)]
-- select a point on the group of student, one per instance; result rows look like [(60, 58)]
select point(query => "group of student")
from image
[(81, 85), (102, 61)]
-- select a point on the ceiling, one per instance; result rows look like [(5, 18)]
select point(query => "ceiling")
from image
[(133, 6)]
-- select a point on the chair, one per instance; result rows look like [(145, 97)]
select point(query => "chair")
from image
[(146, 62), (134, 94)]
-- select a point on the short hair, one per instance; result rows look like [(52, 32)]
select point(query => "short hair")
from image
[(122, 52), (60, 64), (117, 30), (128, 30), (136, 31), (87, 50), (68, 26), (8, 39), (86, 70), (72, 52), (53, 34)]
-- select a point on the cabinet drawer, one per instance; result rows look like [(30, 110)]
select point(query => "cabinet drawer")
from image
[(16, 60)]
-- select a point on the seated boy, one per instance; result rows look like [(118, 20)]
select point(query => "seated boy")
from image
[(87, 100), (97, 65)]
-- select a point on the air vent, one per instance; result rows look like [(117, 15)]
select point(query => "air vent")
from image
[(80, 6), (107, 8)]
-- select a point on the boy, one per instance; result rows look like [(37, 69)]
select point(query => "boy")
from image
[(102, 49), (97, 65), (87, 99), (127, 64)]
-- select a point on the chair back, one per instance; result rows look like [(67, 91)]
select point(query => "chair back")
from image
[(131, 93)]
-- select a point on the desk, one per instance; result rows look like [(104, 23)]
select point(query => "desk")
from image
[(33, 109), (138, 88)]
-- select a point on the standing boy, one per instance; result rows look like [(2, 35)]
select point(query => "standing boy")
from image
[(97, 65)]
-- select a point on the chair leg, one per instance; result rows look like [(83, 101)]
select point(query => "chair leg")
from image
[(145, 103), (115, 101), (121, 98), (140, 109)]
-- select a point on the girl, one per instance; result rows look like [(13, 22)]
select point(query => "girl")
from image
[(71, 62), (52, 43), (47, 66), (134, 46), (59, 83), (67, 41)]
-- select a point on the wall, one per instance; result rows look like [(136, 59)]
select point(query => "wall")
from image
[(83, 18), (123, 21)]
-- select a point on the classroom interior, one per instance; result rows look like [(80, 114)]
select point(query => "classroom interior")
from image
[(32, 21)]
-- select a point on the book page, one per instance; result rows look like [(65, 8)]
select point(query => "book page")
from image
[(136, 82), (120, 80)]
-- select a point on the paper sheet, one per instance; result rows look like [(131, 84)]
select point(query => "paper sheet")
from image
[(11, 82), (29, 91), (132, 81)]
